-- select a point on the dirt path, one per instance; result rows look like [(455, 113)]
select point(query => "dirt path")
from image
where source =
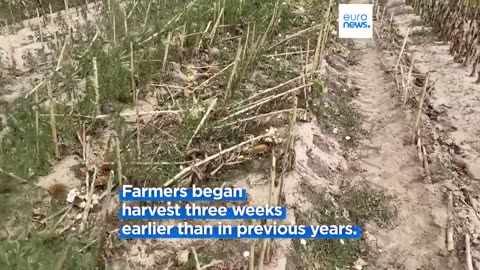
[(455, 94), (386, 160)]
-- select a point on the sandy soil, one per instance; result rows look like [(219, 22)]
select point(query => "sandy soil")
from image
[(386, 161), (418, 239), (455, 92), (21, 43)]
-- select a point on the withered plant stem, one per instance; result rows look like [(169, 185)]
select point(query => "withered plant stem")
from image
[(185, 171), (202, 122), (53, 124), (289, 149), (214, 30), (468, 252), (40, 29), (251, 258), (407, 86), (165, 56), (214, 76), (96, 86), (135, 102), (231, 80), (119, 161), (420, 106), (37, 125), (450, 242), (265, 100)]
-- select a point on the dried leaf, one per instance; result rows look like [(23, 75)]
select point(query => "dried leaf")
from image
[(260, 149)]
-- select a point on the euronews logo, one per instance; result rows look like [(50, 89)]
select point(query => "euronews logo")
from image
[(355, 21)]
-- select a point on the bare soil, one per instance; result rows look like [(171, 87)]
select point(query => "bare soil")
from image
[(416, 239)]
